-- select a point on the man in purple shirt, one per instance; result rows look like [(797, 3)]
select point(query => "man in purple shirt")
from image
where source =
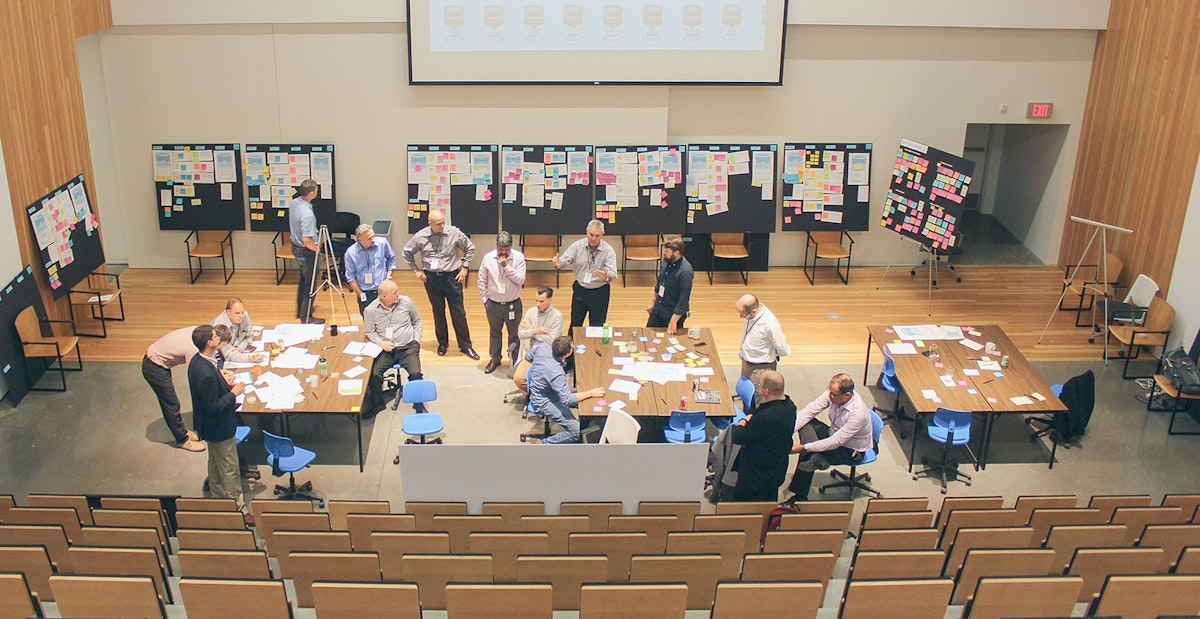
[(501, 276), (843, 441)]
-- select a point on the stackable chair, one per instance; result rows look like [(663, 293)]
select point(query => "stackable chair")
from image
[(888, 382), (284, 457), (421, 423), (620, 428), (745, 390), (686, 427)]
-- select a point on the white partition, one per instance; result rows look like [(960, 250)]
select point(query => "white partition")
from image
[(553, 473)]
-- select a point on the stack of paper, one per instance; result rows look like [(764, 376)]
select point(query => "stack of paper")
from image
[(362, 349), (279, 392)]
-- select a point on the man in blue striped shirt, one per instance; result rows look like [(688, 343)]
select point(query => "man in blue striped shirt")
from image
[(369, 262)]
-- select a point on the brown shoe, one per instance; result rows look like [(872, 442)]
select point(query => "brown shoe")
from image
[(191, 445), (192, 436)]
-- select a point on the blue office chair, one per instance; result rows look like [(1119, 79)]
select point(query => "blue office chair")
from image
[(529, 412), (686, 427), (284, 457), (854, 480), (745, 391), (421, 423), (240, 433), (888, 382), (951, 428)]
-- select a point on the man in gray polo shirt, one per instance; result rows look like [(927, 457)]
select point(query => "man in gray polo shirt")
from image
[(444, 271), (392, 322)]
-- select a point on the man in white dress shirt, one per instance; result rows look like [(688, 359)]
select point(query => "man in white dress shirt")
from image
[(501, 276), (763, 342)]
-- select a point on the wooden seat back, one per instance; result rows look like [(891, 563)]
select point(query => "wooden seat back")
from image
[(392, 546), (624, 601), (231, 564), (910, 598), (107, 596), (308, 567), (480, 601), (753, 600), (699, 573), (366, 599), (34, 563), (433, 572), (1094, 565), (1043, 596), (340, 509), (504, 548), (566, 574), (361, 526), (216, 539), (222, 599), (730, 545)]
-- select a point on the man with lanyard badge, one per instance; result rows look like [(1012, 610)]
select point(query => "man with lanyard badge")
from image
[(303, 224), (595, 264), (501, 276), (669, 307), (763, 342), (369, 262), (444, 274)]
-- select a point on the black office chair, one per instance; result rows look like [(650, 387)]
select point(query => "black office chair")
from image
[(342, 234), (1079, 394)]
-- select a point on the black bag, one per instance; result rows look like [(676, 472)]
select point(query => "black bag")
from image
[(1180, 369)]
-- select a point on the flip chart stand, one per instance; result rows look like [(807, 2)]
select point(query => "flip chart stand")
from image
[(332, 279)]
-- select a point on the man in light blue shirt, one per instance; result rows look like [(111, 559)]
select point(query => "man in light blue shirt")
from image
[(549, 394), (303, 224), (369, 262)]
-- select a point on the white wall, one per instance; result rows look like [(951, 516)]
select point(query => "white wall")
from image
[(10, 255), (103, 184), (1185, 286)]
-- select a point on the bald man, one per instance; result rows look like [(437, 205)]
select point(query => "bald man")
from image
[(392, 322), (766, 440)]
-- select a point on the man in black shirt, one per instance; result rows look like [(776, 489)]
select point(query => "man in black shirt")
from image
[(673, 290), (766, 440)]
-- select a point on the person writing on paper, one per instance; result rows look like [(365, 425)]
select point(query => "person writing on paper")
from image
[(443, 273), (763, 342), (501, 276), (392, 322), (673, 291), (214, 405), (303, 224), (542, 323), (843, 441), (766, 440), (595, 264), (369, 263), (549, 394), (237, 319)]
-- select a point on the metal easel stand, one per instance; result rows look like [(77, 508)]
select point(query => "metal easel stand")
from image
[(932, 269), (333, 277)]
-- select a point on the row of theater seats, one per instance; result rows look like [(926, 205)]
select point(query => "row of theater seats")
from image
[(972, 550)]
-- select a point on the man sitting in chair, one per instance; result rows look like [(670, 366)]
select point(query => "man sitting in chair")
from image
[(392, 322), (842, 442), (541, 324), (549, 394)]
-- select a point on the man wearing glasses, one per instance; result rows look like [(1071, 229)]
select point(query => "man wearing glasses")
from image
[(842, 442)]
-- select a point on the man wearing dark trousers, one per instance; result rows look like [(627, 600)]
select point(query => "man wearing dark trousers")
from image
[(766, 440), (368, 262), (170, 350), (673, 292), (501, 276), (392, 322), (595, 264), (842, 442), (303, 223), (446, 253), (214, 404)]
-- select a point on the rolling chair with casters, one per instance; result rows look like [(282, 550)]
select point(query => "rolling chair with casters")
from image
[(1079, 394), (686, 427), (529, 412), (745, 390), (285, 457), (854, 480), (938, 255), (421, 423), (241, 433), (341, 236), (951, 428), (888, 382)]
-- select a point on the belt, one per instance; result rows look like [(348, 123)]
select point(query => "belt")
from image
[(443, 273)]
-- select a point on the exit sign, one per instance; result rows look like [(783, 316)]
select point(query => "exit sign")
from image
[(1039, 110)]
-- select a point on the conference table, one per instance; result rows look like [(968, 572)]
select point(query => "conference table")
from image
[(956, 379), (594, 367), (323, 399)]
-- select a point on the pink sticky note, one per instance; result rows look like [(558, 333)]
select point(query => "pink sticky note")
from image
[(889, 330), (991, 400), (938, 364), (656, 340), (962, 383), (602, 403), (651, 350)]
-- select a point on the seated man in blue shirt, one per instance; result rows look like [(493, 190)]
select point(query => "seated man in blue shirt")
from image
[(549, 394)]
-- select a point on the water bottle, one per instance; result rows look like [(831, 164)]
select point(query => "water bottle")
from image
[(1004, 362), (683, 402), (605, 333), (323, 368)]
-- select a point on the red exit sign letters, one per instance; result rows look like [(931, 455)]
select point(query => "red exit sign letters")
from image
[(1039, 110)]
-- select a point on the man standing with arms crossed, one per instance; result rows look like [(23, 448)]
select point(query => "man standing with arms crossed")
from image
[(672, 293), (595, 264), (369, 262), (500, 278), (303, 223), (445, 270), (392, 322), (542, 323), (214, 404), (763, 342)]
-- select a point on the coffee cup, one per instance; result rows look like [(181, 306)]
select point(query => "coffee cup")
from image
[(332, 329), (990, 348)]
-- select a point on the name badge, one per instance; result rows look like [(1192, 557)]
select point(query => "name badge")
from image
[(368, 279), (432, 264), (662, 290), (512, 315), (387, 333), (587, 277)]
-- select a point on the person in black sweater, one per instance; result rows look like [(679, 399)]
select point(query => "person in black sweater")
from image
[(214, 410), (766, 440)]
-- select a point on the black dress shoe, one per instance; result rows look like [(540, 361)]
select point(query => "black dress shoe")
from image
[(470, 352), (316, 321), (442, 350), (491, 366)]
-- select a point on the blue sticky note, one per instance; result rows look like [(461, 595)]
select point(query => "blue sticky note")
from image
[(972, 391), (998, 374)]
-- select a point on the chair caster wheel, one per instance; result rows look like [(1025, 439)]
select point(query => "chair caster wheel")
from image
[(943, 491), (410, 442), (914, 477), (436, 441), (867, 478), (1091, 340), (396, 460), (820, 490)]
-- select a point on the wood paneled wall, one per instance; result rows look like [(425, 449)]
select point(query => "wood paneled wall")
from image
[(42, 122), (1141, 135)]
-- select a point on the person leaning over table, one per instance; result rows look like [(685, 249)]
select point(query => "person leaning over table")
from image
[(843, 441), (766, 440), (235, 316), (763, 342), (542, 323), (302, 222), (669, 306), (369, 262), (500, 278), (173, 349), (595, 264), (392, 322), (549, 394), (445, 270), (214, 404)]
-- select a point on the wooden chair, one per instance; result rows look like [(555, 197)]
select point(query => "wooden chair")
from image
[(1135, 519), (898, 539), (511, 513), (461, 527), (981, 562), (730, 545), (50, 536), (1042, 519), (1188, 562), (363, 599), (597, 513), (107, 596), (138, 504), (684, 511), (951, 503), (751, 525), (135, 518), (393, 546), (1179, 403), (804, 541), (361, 526), (433, 572), (977, 518), (210, 244), (1094, 565), (729, 246), (626, 601), (64, 517), (504, 548), (78, 502), (261, 506), (286, 542), (1154, 331), (753, 600), (816, 522), (1146, 597), (484, 601), (127, 537), (281, 243), (17, 599), (542, 248), (825, 507), (897, 504), (1187, 502), (193, 504), (34, 563), (120, 562), (35, 344), (229, 521), (7, 502), (1027, 503), (222, 599), (987, 537), (1172, 538), (789, 567), (655, 528), (1065, 538), (1089, 282), (1108, 503), (309, 567), (271, 522), (828, 245), (424, 511), (640, 248), (234, 564), (566, 574), (215, 539), (1046, 596), (97, 291), (340, 509), (559, 528), (911, 598), (699, 573), (897, 564), (619, 548), (897, 520)]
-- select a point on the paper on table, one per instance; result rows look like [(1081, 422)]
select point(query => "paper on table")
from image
[(988, 364), (901, 349), (366, 349), (928, 394), (348, 328), (593, 332), (627, 387), (970, 371), (972, 344), (100, 298), (947, 380), (1021, 400), (354, 372), (705, 371), (350, 386)]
